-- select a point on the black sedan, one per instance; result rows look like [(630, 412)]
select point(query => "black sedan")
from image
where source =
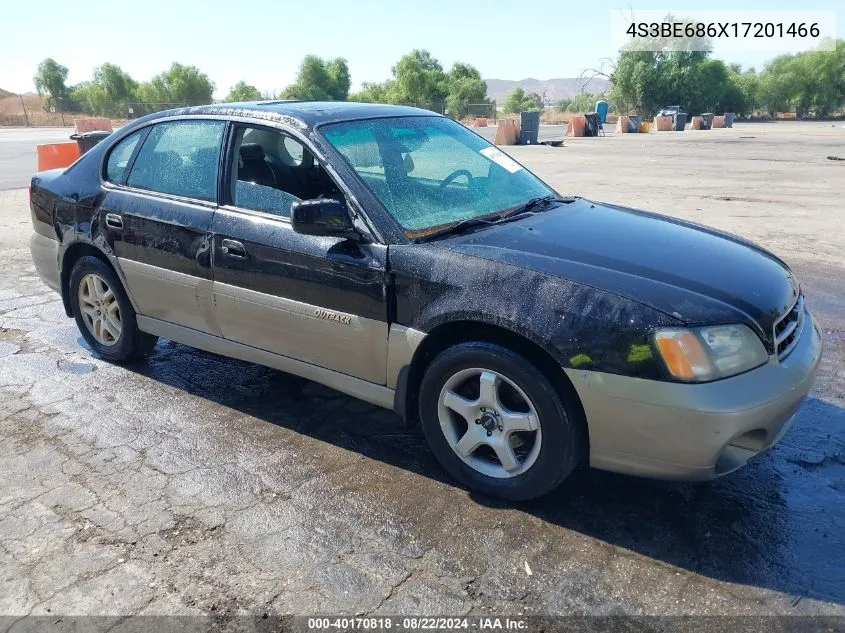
[(396, 256)]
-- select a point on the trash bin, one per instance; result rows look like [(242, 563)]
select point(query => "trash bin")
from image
[(87, 140), (529, 128), (679, 121), (729, 119), (634, 121), (706, 120), (591, 124)]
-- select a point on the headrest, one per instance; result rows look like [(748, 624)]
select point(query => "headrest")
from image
[(252, 151)]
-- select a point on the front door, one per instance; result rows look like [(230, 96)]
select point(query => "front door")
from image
[(156, 216), (321, 300)]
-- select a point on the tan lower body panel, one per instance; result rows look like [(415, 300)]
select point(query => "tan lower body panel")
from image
[(346, 343), (171, 296), (401, 346), (45, 256), (378, 395)]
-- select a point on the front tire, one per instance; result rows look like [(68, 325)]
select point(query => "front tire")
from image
[(496, 423), (103, 313)]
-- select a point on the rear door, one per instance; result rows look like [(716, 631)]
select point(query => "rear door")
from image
[(321, 300), (160, 198)]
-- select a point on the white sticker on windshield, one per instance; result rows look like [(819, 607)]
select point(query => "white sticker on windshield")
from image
[(501, 159)]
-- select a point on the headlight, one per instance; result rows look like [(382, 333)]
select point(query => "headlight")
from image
[(709, 353)]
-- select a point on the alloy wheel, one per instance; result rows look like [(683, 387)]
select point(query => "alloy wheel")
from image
[(100, 309), (489, 422)]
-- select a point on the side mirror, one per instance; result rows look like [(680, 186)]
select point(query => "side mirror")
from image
[(324, 216)]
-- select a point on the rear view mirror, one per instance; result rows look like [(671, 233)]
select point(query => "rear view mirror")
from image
[(323, 216)]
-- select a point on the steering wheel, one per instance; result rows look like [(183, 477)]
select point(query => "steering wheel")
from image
[(455, 174)]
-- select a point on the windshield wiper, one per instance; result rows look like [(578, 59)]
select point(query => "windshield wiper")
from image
[(457, 227), (531, 206)]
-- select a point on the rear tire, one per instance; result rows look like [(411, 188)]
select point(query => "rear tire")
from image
[(104, 314), (497, 424)]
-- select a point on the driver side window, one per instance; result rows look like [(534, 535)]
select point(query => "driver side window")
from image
[(270, 171)]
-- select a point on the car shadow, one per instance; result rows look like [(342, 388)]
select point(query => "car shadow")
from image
[(777, 523)]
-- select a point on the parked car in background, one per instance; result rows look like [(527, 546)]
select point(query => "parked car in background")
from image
[(670, 111), (396, 256)]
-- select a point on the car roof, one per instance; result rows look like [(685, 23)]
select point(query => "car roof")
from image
[(302, 114)]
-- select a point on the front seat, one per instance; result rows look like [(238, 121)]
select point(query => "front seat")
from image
[(254, 167)]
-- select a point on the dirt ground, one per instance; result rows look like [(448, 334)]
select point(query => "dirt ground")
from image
[(194, 484)]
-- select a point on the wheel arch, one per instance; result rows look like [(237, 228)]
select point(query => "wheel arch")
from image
[(73, 254), (454, 332)]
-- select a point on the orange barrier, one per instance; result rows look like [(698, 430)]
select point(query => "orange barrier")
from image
[(576, 126), (481, 121), (55, 155), (662, 124), (92, 124), (623, 125), (718, 121)]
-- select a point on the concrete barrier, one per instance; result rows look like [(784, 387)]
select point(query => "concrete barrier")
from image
[(718, 121), (623, 125), (507, 133), (480, 121), (576, 126), (92, 124), (662, 124)]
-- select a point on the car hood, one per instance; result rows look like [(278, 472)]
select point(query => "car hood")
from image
[(694, 273)]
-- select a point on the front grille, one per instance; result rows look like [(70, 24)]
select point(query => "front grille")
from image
[(788, 329)]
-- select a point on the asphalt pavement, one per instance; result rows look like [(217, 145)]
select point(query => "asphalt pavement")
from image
[(17, 152)]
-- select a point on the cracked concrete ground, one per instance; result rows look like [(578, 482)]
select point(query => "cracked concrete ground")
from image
[(195, 484)]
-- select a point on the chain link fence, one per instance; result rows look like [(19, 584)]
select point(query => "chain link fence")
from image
[(37, 111)]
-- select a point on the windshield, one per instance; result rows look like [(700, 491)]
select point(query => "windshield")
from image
[(431, 172)]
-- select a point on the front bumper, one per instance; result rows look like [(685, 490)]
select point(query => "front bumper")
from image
[(695, 432)]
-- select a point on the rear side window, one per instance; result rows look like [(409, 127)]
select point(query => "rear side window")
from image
[(119, 158), (180, 158)]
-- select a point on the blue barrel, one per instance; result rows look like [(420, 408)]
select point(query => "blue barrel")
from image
[(601, 110)]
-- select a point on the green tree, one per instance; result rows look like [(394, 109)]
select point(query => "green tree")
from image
[(584, 102), (564, 105), (419, 79), (338, 71), (465, 88), (242, 91), (654, 72), (109, 92), (320, 80), (812, 82), (519, 101), (50, 78), (381, 92), (179, 85), (742, 96)]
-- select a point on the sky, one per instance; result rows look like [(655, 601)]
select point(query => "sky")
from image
[(263, 41)]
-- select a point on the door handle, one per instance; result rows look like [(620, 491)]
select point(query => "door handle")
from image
[(114, 221), (234, 249)]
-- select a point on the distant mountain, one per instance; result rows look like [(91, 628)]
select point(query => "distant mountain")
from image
[(5, 93), (552, 90)]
